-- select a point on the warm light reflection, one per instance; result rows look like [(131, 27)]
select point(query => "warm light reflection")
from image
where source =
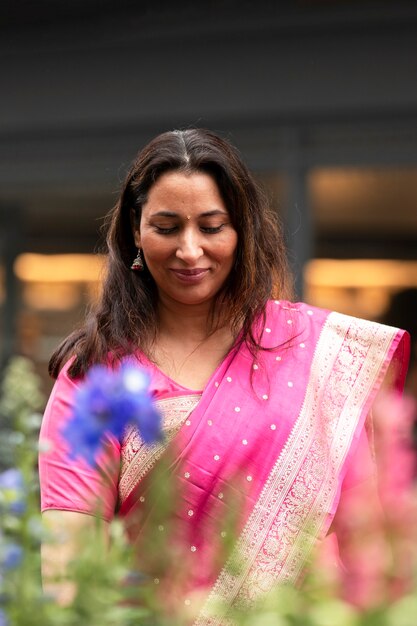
[(361, 287), (361, 273), (45, 296), (365, 200), (58, 268)]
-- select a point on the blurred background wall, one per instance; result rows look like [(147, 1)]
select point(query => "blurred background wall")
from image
[(319, 96)]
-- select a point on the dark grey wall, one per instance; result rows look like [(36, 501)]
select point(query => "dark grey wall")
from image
[(80, 95), (293, 84)]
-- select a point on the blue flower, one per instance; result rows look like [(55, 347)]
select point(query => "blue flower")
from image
[(12, 492), (10, 555), (107, 402)]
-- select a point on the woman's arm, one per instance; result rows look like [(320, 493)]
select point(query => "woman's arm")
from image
[(68, 532)]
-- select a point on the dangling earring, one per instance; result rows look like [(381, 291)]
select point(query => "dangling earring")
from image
[(137, 264)]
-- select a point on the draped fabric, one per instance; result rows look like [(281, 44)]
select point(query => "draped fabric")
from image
[(281, 433)]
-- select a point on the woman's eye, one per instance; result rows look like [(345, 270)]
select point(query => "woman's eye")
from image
[(164, 230), (168, 230), (211, 230)]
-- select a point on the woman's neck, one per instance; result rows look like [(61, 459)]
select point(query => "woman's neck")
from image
[(186, 348), (190, 322)]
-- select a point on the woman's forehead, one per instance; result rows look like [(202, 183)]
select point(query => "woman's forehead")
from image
[(175, 192)]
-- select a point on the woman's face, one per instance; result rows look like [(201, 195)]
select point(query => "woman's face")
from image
[(187, 239)]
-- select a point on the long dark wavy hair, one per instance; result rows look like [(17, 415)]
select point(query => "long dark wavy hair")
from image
[(125, 316)]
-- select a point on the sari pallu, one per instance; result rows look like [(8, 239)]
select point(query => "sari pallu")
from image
[(281, 433)]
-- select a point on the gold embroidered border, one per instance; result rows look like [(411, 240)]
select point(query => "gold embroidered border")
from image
[(295, 501), (137, 458)]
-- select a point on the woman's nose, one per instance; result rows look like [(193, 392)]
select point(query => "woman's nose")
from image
[(189, 246)]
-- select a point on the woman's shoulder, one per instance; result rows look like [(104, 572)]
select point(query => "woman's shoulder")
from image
[(285, 322), (64, 376), (296, 319), (295, 313)]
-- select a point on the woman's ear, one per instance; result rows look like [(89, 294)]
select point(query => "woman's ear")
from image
[(136, 237), (135, 228)]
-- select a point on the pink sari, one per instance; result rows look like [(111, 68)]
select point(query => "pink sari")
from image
[(281, 434), (286, 445)]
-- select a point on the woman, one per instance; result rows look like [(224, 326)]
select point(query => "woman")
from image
[(264, 401)]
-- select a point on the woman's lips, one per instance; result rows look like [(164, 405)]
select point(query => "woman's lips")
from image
[(190, 276)]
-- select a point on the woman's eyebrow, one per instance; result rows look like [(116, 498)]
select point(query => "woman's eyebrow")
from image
[(214, 212), (164, 214)]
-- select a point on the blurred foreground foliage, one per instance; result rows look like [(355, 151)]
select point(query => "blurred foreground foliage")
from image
[(109, 591)]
